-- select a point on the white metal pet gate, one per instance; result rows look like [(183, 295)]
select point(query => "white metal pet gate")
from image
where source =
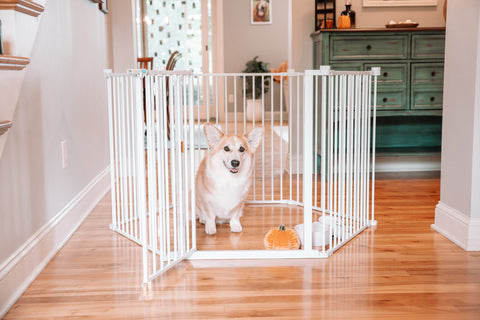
[(317, 153)]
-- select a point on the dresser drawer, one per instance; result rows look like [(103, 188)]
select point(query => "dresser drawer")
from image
[(391, 99), (427, 73), (372, 47), (427, 98), (431, 46), (347, 66), (390, 73)]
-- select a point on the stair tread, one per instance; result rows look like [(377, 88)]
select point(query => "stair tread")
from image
[(13, 62)]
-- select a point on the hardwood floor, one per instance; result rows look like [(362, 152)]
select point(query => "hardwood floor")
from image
[(399, 269)]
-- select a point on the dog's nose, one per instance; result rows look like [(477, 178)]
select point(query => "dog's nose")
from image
[(235, 163)]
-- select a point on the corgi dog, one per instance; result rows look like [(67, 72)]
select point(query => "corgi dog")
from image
[(224, 177)]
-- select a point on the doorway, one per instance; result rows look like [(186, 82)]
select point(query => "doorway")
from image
[(166, 26)]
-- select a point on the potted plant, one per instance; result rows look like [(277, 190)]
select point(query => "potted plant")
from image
[(253, 88)]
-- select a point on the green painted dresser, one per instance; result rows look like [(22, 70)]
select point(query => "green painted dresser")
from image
[(410, 86)]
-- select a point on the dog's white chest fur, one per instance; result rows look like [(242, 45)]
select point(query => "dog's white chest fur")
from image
[(229, 192)]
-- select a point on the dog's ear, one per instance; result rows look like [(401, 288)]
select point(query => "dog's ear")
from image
[(254, 137), (212, 134)]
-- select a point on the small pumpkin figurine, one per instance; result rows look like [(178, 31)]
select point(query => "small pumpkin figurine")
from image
[(282, 238), (344, 22)]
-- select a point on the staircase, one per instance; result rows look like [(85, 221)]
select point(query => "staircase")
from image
[(18, 29)]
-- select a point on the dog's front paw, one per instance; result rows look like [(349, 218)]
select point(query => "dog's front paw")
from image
[(210, 228), (235, 226)]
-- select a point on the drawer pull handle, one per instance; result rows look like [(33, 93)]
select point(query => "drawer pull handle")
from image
[(369, 47), (432, 99), (385, 99), (433, 73), (385, 74)]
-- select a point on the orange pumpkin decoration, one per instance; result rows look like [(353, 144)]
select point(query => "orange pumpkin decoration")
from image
[(281, 238), (344, 22)]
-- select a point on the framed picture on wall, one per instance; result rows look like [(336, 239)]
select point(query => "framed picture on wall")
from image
[(261, 11)]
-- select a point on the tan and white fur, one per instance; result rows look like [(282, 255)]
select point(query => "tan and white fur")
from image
[(224, 177), (260, 11)]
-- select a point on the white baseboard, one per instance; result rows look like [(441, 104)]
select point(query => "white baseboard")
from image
[(457, 227), (23, 266), (407, 163), (395, 163)]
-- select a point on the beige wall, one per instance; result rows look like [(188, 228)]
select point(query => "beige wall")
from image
[(457, 215), (122, 13), (63, 97), (303, 24), (460, 100), (243, 40)]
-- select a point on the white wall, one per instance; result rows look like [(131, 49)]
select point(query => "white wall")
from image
[(243, 40), (303, 22), (475, 209), (459, 104), (122, 13), (63, 98), (458, 212)]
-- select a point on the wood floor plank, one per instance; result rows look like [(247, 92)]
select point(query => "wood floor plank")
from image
[(399, 269)]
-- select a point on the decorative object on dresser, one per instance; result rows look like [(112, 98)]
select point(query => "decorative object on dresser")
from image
[(402, 24), (324, 14), (344, 22), (410, 86), (349, 13)]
